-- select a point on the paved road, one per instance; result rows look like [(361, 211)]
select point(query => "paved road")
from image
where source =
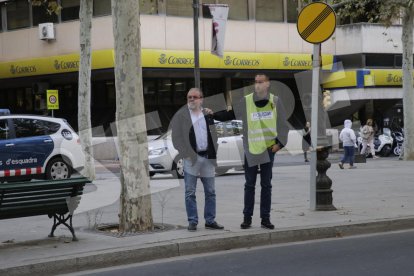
[(379, 254)]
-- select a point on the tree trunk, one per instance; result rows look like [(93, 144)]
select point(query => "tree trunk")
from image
[(84, 92), (408, 97), (135, 201)]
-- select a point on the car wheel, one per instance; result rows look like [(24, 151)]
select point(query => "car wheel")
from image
[(151, 174), (58, 169), (178, 168), (221, 171), (397, 151)]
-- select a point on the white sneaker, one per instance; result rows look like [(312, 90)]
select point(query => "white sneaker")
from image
[(375, 157)]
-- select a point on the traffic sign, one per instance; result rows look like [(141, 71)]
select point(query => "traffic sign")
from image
[(316, 22), (52, 99)]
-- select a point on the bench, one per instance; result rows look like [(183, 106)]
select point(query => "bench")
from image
[(55, 198)]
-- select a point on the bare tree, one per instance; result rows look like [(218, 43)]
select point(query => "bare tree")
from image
[(135, 198), (84, 87), (408, 98)]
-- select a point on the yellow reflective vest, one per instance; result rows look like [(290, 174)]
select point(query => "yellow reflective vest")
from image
[(261, 125)]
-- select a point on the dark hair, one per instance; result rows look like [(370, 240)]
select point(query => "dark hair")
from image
[(262, 74)]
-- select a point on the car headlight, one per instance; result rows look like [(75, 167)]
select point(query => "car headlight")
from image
[(158, 151)]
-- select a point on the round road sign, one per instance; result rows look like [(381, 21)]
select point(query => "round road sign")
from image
[(52, 99), (316, 22)]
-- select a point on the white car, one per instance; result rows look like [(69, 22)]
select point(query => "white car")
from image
[(38, 147), (164, 158)]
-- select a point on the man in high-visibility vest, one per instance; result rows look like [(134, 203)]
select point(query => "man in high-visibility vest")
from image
[(265, 132)]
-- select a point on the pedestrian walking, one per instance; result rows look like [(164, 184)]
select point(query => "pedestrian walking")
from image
[(306, 141), (195, 138), (367, 135), (265, 132), (348, 139)]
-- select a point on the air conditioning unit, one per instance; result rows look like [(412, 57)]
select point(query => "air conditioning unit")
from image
[(46, 31)]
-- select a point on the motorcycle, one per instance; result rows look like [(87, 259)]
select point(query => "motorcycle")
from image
[(398, 140), (382, 144)]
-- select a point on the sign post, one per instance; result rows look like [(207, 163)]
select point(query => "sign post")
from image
[(316, 23), (52, 99)]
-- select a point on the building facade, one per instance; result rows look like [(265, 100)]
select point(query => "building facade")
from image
[(261, 36)]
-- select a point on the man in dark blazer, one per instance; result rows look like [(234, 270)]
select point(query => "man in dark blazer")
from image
[(194, 137)]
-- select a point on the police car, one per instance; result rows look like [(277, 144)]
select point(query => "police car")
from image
[(37, 147)]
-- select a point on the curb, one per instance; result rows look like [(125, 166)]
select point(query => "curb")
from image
[(227, 241)]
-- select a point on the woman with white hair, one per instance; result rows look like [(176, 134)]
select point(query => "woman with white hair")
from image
[(348, 139)]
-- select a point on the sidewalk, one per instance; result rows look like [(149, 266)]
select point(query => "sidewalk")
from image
[(377, 196)]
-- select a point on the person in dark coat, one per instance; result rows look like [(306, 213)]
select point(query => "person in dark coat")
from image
[(194, 137), (265, 132), (306, 141)]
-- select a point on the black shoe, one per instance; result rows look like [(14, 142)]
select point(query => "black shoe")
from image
[(247, 223), (192, 227), (267, 224), (214, 226), (306, 160)]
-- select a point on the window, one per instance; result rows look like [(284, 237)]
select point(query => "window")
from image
[(111, 93), (180, 8), (101, 7), (238, 9), (165, 91), (4, 130), (398, 61), (180, 92), (270, 11), (148, 6), (150, 92), (34, 127), (292, 11), (18, 14), (25, 127), (41, 15), (228, 129), (49, 127), (379, 60), (70, 10)]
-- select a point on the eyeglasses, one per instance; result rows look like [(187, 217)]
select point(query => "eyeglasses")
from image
[(193, 97)]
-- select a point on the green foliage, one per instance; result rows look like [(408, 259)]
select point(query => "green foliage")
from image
[(372, 11), (51, 6)]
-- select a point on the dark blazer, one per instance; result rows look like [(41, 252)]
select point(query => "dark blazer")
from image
[(184, 139)]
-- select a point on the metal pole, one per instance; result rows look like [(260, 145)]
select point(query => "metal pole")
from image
[(314, 123), (196, 49)]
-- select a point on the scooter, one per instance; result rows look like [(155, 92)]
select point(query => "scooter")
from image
[(398, 137), (382, 144)]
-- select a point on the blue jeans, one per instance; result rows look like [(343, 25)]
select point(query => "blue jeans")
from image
[(348, 155), (250, 174), (205, 170)]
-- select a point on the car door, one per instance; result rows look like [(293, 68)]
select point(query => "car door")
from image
[(31, 146), (228, 154), (6, 146)]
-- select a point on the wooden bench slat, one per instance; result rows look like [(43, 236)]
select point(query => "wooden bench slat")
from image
[(38, 187), (19, 200), (38, 193), (24, 199), (34, 202), (39, 210), (70, 182)]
